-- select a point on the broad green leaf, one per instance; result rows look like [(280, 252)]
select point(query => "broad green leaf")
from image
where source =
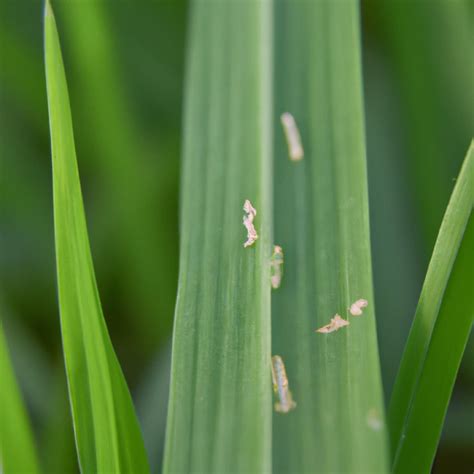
[(219, 415), (438, 336), (322, 223), (107, 434), (17, 449)]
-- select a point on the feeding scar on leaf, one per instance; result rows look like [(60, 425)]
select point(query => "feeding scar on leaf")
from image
[(356, 307), (373, 420), (336, 323), (293, 137), (252, 235), (280, 386), (276, 266)]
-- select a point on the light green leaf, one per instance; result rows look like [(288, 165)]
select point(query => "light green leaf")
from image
[(439, 334), (322, 223), (107, 434), (17, 449), (219, 415)]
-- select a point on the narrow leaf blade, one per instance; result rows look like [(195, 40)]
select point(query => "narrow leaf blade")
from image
[(108, 438), (438, 336), (219, 415)]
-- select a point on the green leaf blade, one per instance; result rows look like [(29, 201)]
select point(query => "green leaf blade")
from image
[(17, 447), (322, 223), (108, 438), (219, 415), (438, 336)]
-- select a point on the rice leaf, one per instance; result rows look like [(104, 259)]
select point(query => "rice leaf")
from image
[(108, 438), (438, 336), (219, 415), (322, 223)]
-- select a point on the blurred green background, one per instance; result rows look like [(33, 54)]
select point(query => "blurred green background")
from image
[(125, 67)]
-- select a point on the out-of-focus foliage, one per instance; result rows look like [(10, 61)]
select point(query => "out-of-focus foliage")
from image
[(17, 448), (417, 85)]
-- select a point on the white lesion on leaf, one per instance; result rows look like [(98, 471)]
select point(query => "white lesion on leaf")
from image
[(280, 386), (356, 307), (336, 323), (276, 266), (373, 419), (293, 137), (250, 211)]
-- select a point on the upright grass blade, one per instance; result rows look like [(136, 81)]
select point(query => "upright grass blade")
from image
[(107, 434), (17, 450), (322, 223), (439, 334), (219, 415)]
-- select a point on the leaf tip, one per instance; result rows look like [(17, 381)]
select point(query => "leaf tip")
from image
[(48, 11)]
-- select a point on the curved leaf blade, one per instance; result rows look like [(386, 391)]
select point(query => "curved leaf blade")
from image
[(438, 336), (219, 415), (108, 438)]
